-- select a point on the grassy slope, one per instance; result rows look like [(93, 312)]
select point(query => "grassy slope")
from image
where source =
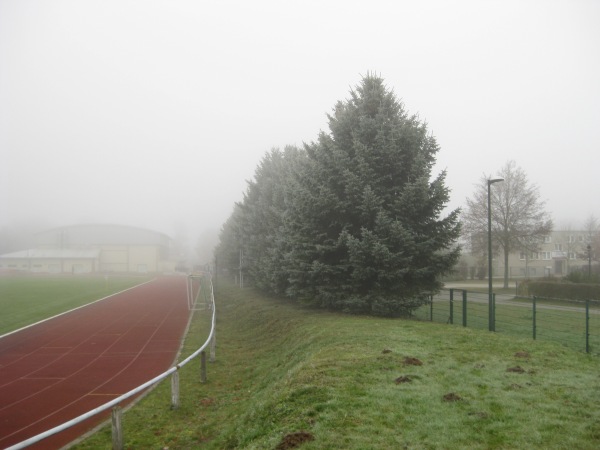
[(281, 368)]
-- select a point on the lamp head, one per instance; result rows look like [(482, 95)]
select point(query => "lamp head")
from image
[(495, 180)]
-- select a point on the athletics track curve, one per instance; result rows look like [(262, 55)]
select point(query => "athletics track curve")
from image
[(61, 368)]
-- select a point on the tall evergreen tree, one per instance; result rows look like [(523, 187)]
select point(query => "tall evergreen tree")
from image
[(227, 252), (363, 224), (261, 220)]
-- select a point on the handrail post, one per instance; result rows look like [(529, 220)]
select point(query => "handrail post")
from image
[(175, 390), (203, 367), (213, 345), (117, 430)]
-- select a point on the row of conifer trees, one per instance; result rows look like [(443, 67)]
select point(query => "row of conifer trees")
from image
[(352, 221)]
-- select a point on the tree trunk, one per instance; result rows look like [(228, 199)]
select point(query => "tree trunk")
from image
[(506, 252)]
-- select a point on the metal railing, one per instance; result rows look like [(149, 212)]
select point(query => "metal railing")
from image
[(174, 371)]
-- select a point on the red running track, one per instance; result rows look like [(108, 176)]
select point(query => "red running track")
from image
[(59, 369)]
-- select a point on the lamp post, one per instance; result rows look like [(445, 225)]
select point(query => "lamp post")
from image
[(489, 207), (589, 249)]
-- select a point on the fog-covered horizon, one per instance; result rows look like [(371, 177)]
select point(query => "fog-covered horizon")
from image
[(155, 113)]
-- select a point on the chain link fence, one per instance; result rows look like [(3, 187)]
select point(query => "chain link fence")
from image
[(575, 324)]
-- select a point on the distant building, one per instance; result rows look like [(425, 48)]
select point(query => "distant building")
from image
[(560, 253), (557, 255), (94, 248)]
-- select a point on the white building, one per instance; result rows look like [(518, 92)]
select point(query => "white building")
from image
[(94, 248)]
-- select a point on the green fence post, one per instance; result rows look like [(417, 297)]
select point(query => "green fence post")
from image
[(464, 305), (534, 319), (493, 312), (451, 306), (431, 308), (587, 326)]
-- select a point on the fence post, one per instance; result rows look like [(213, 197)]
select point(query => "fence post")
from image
[(203, 367), (493, 312), (431, 308), (175, 390), (117, 431), (451, 306), (213, 344), (464, 307), (587, 326), (534, 318)]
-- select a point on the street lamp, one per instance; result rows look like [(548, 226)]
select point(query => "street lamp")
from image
[(489, 207), (589, 249)]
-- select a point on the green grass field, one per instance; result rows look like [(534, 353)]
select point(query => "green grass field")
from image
[(286, 373), (28, 299)]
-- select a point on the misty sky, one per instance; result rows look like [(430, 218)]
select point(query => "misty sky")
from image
[(155, 113)]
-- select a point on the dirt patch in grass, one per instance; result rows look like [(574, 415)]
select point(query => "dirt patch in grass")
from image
[(294, 440), (207, 401), (522, 354), (403, 379), (451, 397), (516, 369), (386, 350), (409, 361), (480, 414)]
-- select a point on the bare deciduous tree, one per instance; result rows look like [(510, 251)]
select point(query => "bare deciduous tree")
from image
[(592, 231), (519, 219)]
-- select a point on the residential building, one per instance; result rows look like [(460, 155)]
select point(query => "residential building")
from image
[(560, 253)]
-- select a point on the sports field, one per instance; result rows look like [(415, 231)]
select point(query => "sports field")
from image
[(28, 299), (60, 368)]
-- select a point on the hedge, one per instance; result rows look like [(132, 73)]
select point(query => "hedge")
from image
[(549, 288)]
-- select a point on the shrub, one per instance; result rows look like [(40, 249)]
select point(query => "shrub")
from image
[(556, 288)]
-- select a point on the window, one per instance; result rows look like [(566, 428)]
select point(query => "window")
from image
[(546, 255), (572, 255), (522, 256), (547, 239), (558, 247), (571, 239)]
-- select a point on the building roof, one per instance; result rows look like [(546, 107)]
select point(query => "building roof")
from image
[(99, 234), (52, 253)]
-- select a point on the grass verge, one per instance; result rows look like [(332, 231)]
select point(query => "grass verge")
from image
[(285, 374)]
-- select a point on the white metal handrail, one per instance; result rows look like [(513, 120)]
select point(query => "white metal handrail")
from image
[(116, 401)]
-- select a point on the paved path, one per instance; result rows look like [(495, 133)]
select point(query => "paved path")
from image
[(508, 299), (66, 366)]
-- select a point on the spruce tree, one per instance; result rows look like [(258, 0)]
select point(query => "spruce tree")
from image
[(261, 219), (363, 226)]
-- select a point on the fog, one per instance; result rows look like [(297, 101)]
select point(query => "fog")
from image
[(155, 113)]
